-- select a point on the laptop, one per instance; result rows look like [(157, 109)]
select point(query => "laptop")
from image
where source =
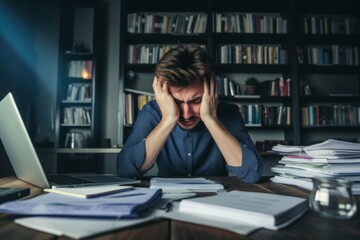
[(25, 161)]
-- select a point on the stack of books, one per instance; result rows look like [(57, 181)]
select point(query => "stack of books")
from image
[(331, 158)]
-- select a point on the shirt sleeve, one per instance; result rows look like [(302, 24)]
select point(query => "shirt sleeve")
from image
[(250, 171), (132, 155)]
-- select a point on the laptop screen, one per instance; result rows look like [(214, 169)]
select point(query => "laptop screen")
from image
[(18, 145)]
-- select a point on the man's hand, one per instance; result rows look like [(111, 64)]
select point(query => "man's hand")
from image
[(209, 100), (169, 109)]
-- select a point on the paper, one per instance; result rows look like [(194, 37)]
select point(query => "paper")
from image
[(267, 210), (85, 227), (88, 192), (237, 227), (331, 158), (326, 149), (306, 183), (333, 169), (171, 185), (120, 205)]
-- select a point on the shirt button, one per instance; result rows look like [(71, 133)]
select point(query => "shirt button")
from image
[(189, 154), (189, 133), (189, 174)]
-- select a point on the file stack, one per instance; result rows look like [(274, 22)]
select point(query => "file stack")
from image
[(331, 158)]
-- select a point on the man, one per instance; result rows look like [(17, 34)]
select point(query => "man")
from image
[(185, 131)]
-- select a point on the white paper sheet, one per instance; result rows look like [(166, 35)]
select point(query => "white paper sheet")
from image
[(78, 228)]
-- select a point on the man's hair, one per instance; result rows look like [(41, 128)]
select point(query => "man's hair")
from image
[(184, 65)]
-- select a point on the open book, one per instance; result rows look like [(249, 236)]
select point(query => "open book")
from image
[(267, 210)]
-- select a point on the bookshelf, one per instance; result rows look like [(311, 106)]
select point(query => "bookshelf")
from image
[(328, 63), (78, 83), (268, 41)]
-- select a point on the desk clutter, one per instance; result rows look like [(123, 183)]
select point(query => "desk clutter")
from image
[(241, 212), (329, 159)]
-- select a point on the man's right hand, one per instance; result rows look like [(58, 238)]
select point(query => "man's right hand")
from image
[(169, 109)]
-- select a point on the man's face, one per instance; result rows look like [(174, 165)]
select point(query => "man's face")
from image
[(188, 100)]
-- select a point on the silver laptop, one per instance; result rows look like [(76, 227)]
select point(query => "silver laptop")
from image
[(25, 161)]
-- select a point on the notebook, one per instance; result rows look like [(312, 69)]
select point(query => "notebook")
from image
[(25, 161)]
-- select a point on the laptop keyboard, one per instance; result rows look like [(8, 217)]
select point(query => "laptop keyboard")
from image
[(60, 179)]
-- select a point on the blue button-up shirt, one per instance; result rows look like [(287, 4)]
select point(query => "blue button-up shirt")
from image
[(189, 153)]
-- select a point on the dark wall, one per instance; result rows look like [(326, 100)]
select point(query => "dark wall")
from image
[(17, 61)]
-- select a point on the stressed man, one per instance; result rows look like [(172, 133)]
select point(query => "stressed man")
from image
[(185, 131)]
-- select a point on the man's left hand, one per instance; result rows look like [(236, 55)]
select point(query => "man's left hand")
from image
[(208, 107)]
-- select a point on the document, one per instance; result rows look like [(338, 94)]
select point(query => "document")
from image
[(185, 185), (327, 149), (88, 192), (85, 227), (271, 211), (236, 227), (127, 204), (331, 158)]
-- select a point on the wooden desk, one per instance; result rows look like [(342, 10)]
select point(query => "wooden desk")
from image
[(309, 226)]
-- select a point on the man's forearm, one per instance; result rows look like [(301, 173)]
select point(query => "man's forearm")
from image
[(229, 146), (155, 142)]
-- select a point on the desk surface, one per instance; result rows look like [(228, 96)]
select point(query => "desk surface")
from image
[(309, 226)]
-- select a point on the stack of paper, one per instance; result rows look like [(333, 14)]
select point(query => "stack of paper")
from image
[(266, 210), (331, 158), (185, 185), (128, 204)]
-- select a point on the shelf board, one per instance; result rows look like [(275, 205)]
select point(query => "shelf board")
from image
[(331, 99), (78, 56), (326, 39), (250, 68), (251, 38), (165, 38), (329, 69), (338, 127), (255, 98), (78, 150)]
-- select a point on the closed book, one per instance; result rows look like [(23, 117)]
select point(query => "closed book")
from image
[(271, 211)]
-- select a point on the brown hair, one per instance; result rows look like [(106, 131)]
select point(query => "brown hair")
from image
[(184, 65)]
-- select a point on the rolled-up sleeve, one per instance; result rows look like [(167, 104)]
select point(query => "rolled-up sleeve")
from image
[(251, 169), (132, 156)]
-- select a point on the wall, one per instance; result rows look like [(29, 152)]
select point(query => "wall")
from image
[(28, 53)]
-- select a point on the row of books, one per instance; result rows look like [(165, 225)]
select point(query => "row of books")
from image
[(278, 87), (331, 115), (328, 159), (134, 103), (146, 54), (329, 55), (252, 54), (167, 23), (331, 25), (228, 87), (249, 23), (265, 115), (79, 92), (80, 69), (275, 87), (77, 115)]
